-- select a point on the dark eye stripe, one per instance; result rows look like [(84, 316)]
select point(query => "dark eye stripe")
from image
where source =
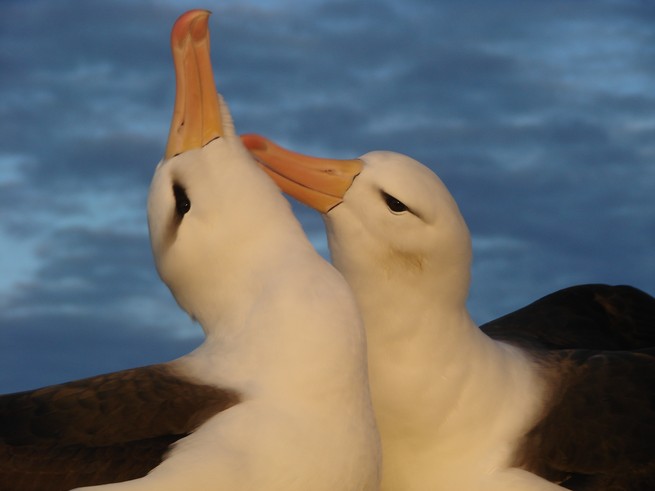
[(182, 201), (394, 204)]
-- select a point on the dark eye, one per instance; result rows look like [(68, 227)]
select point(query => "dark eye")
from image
[(394, 204), (182, 201)]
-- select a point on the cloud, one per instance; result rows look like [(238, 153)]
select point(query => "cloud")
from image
[(47, 349), (93, 305)]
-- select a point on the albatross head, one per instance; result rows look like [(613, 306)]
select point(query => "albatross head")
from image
[(205, 207), (390, 220)]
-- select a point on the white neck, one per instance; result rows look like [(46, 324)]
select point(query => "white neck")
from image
[(430, 352), (438, 383), (299, 313)]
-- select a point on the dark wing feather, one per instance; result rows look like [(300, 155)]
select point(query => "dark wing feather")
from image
[(596, 347), (103, 429), (598, 432), (581, 317)]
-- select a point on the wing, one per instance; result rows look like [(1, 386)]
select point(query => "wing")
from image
[(598, 432), (103, 429), (581, 317)]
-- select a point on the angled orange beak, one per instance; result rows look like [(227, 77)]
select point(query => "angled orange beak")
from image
[(196, 116), (319, 183)]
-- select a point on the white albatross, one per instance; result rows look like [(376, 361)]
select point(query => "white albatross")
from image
[(540, 407), (275, 398)]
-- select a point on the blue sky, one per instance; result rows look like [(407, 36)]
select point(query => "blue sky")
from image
[(539, 116)]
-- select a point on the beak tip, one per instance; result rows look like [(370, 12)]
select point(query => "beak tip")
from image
[(254, 142), (194, 21)]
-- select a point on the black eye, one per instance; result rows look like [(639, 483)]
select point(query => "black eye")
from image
[(182, 201), (394, 204)]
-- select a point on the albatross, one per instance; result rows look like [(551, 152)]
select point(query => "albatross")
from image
[(275, 398), (558, 395)]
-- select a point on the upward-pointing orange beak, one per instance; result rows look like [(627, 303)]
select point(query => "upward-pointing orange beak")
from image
[(196, 116), (317, 182)]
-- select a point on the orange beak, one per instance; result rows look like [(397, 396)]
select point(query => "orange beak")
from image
[(196, 116), (319, 183)]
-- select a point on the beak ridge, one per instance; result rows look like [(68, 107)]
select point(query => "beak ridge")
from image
[(196, 115), (317, 182)]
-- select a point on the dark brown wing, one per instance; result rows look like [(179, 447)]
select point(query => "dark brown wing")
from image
[(581, 317), (598, 432), (103, 429)]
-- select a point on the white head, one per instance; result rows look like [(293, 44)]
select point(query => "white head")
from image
[(394, 223), (399, 222), (213, 217)]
